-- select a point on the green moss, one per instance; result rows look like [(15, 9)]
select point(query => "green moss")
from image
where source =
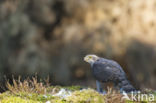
[(27, 96), (35, 96), (17, 100), (88, 95), (81, 96), (73, 88), (60, 101), (57, 88), (77, 96), (5, 94)]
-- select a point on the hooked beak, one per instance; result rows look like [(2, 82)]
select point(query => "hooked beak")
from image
[(86, 59)]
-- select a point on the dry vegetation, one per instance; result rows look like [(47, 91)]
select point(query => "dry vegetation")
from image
[(28, 85)]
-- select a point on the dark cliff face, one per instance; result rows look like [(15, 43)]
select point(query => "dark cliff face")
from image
[(51, 37)]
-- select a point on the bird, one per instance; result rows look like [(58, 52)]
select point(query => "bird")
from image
[(106, 70)]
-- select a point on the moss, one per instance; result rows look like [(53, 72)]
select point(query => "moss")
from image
[(35, 96), (81, 96), (17, 100), (27, 96), (88, 95), (57, 88), (77, 95), (39, 97), (60, 101), (5, 94), (73, 88)]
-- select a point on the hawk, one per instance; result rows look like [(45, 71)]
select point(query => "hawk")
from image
[(105, 70)]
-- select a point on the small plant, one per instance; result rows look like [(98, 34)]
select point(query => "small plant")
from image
[(113, 95), (28, 85)]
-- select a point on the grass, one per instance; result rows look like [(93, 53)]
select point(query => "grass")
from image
[(34, 91)]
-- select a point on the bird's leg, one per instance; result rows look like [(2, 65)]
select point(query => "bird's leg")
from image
[(99, 88), (117, 87)]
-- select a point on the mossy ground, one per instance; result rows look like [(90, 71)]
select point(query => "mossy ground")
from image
[(32, 91), (78, 95)]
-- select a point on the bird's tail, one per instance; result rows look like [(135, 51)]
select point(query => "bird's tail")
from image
[(125, 85)]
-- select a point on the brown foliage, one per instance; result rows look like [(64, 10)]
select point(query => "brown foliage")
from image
[(28, 85)]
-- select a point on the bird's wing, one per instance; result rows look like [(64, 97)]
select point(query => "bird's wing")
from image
[(107, 70), (115, 64)]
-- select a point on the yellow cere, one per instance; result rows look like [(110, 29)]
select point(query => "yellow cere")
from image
[(90, 57)]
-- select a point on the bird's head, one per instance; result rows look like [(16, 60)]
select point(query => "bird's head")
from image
[(91, 58)]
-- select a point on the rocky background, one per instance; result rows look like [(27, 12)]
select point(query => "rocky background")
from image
[(51, 37)]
